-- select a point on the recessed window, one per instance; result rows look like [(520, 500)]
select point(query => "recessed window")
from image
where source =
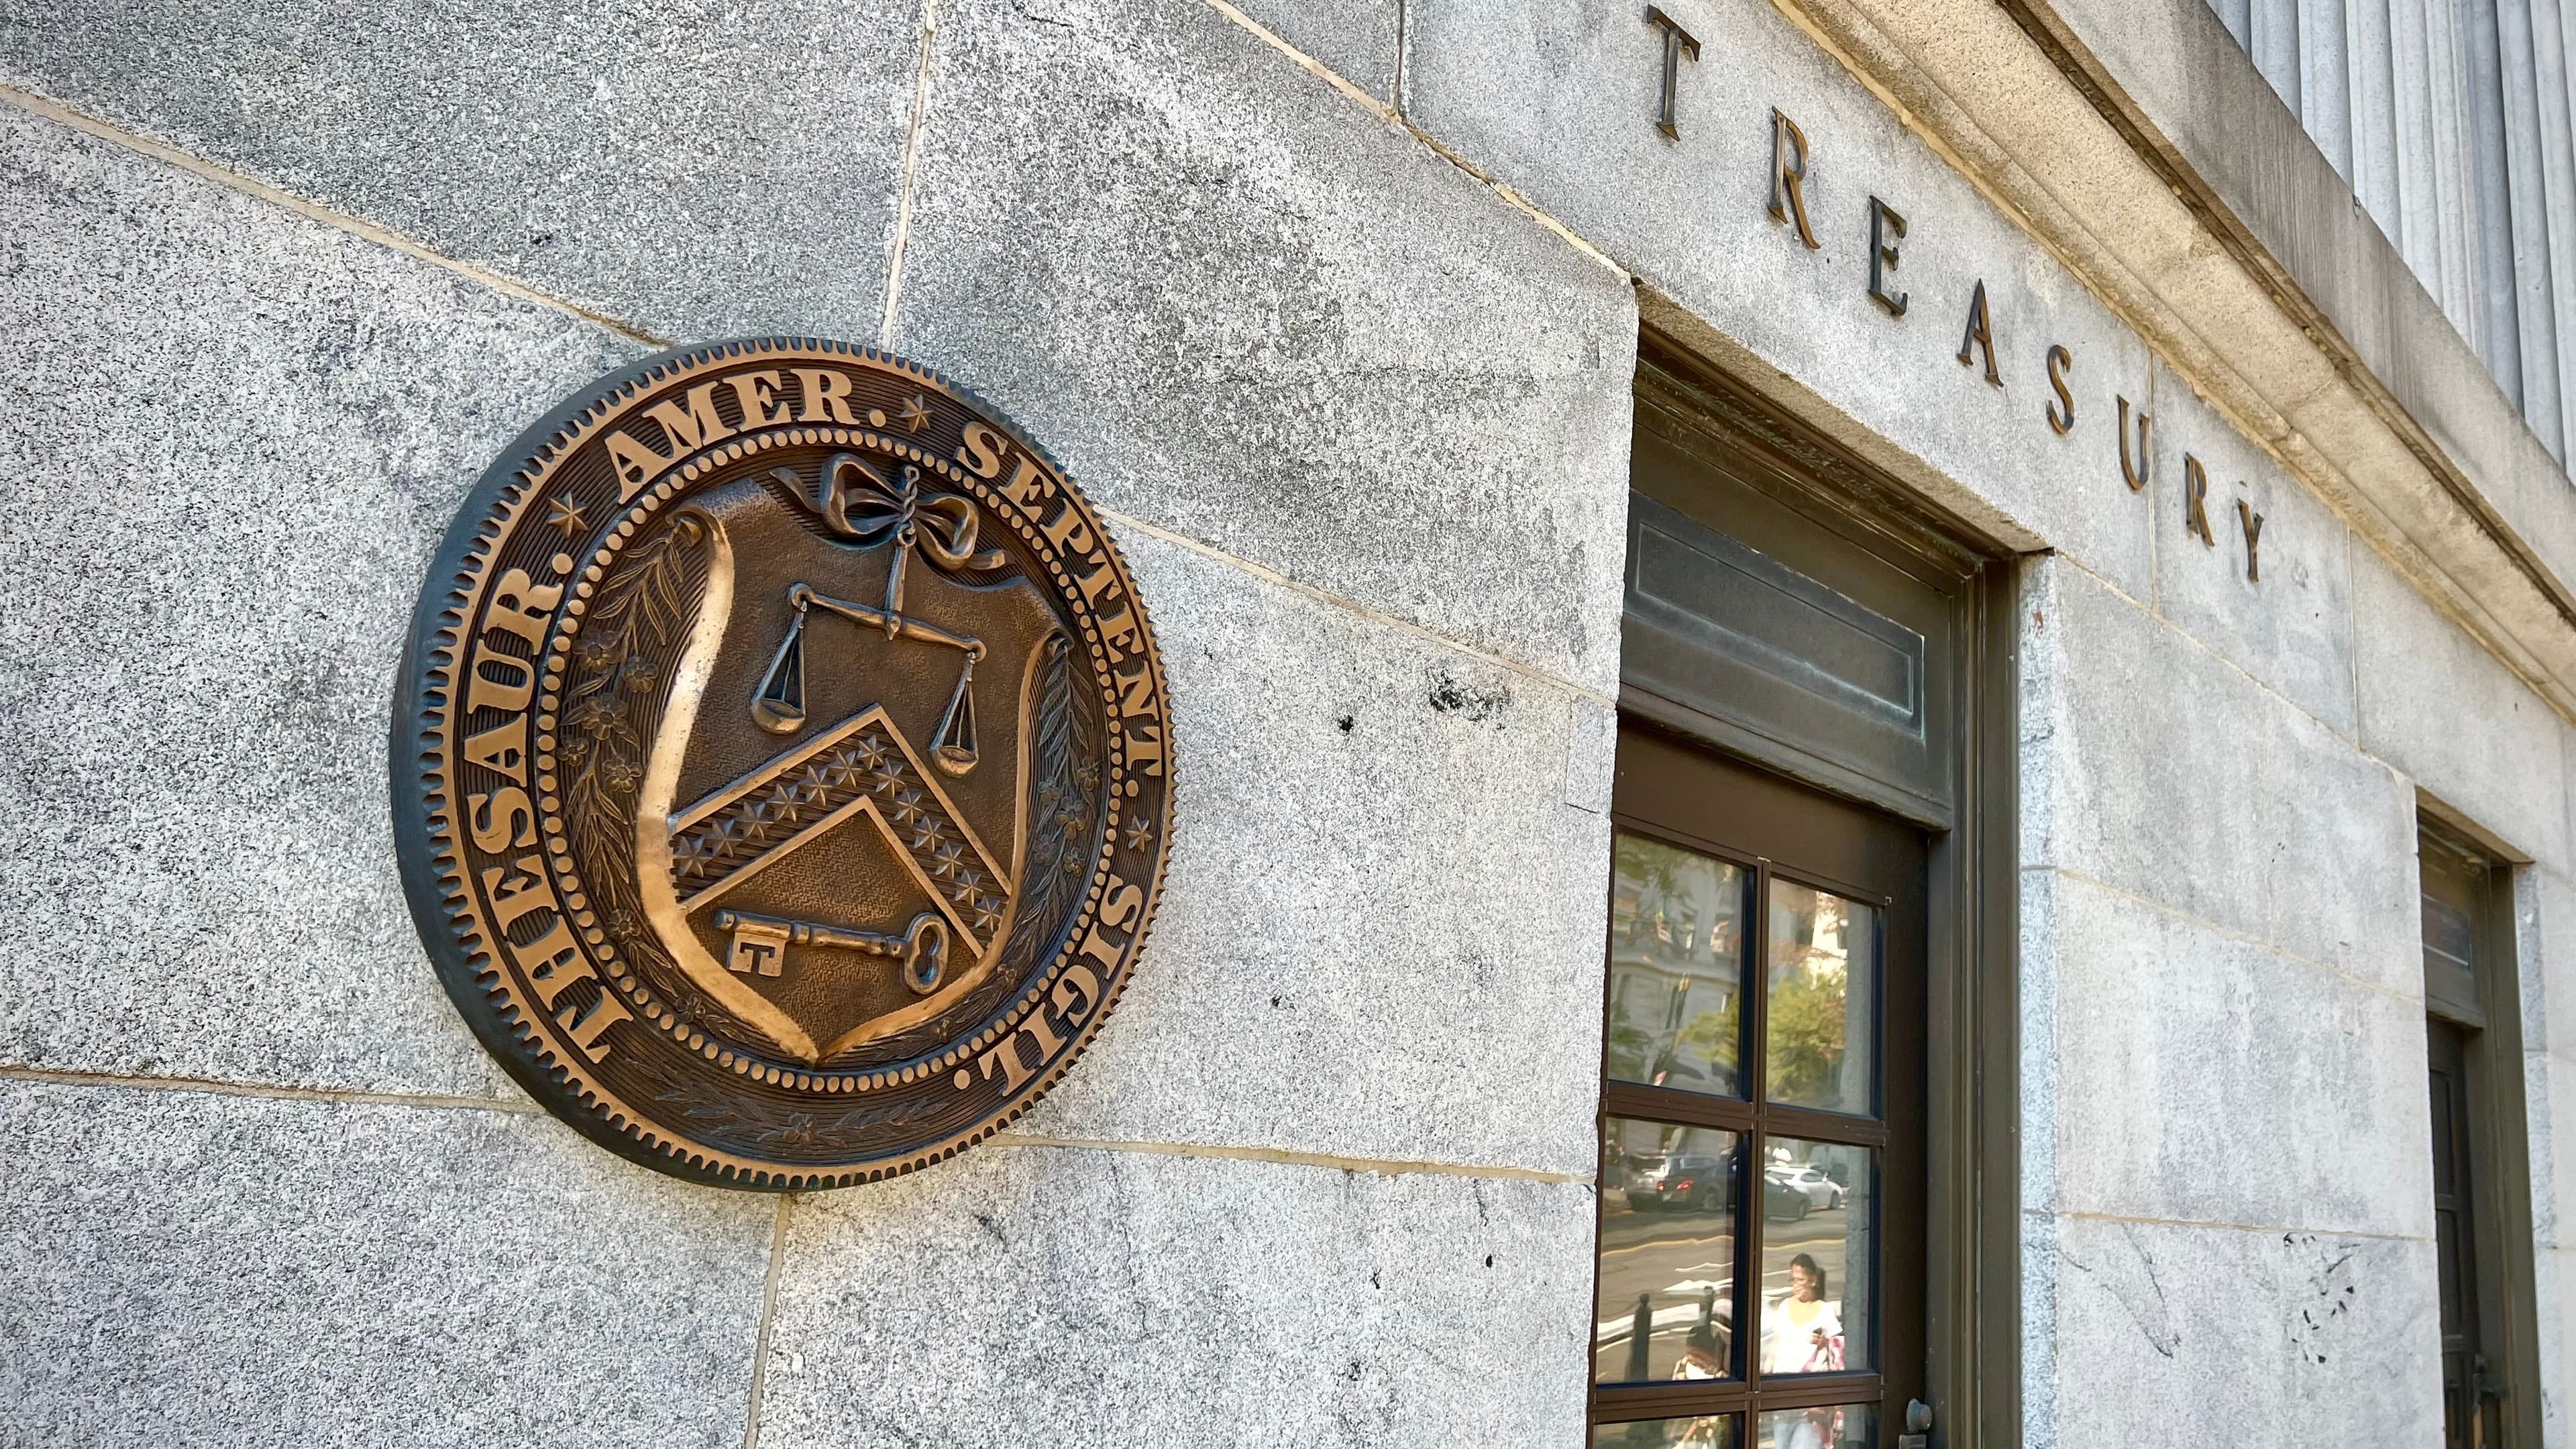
[(2481, 1171), (1811, 951)]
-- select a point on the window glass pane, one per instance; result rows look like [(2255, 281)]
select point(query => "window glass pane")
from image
[(1823, 969), (1818, 1284), (1839, 1426), (1676, 967), (2448, 932), (1716, 1431), (1666, 1305), (2450, 953)]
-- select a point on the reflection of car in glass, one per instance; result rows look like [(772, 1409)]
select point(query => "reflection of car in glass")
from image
[(1780, 1200), (1685, 1180), (1805, 1177)]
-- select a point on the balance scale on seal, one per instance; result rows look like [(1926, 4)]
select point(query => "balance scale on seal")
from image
[(869, 739)]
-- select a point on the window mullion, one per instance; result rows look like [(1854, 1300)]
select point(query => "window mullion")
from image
[(1751, 1224)]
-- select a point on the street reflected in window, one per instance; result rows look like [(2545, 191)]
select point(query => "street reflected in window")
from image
[(1714, 1431), (1836, 1426), (1665, 1307)]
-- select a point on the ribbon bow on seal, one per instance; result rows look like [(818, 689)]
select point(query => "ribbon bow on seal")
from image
[(858, 503)]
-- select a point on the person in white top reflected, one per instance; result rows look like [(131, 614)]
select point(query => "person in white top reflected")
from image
[(1802, 1333)]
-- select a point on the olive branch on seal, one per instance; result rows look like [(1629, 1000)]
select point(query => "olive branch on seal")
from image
[(600, 737), (718, 1115)]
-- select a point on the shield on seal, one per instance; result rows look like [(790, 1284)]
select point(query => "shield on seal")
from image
[(834, 806)]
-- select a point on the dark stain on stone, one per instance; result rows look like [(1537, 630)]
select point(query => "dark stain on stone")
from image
[(1344, 723), (2334, 1296), (1448, 696), (1029, 15)]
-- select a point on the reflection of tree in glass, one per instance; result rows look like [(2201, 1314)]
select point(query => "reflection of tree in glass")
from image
[(1806, 1036), (1709, 1036), (1650, 885), (1810, 981), (1630, 1047)]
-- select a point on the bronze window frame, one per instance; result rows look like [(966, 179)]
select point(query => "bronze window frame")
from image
[(1972, 1312), (2487, 1016), (1779, 832)]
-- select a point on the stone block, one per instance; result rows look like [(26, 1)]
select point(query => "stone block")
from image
[(2039, 1270), (2157, 768), (1560, 102), (1355, 39), (693, 170), (2549, 1105), (1328, 971), (239, 436), (2040, 707), (254, 1271), (2174, 1334), (2544, 943), (2548, 1084), (2202, 1078), (2292, 627), (2553, 1272), (1140, 1300), (2547, 941), (2438, 707), (1243, 309), (2041, 985)]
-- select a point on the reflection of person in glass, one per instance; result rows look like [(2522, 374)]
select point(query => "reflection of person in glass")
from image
[(1701, 1357), (1802, 1333)]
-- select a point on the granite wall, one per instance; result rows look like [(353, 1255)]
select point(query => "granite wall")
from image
[(1333, 308)]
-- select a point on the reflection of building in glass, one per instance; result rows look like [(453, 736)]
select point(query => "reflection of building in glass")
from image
[(1676, 938), (1819, 928)]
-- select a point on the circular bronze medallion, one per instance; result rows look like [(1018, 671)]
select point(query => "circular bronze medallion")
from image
[(781, 772)]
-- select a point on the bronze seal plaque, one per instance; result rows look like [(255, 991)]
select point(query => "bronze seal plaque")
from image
[(781, 768)]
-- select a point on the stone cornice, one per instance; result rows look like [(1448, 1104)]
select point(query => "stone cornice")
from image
[(2137, 143)]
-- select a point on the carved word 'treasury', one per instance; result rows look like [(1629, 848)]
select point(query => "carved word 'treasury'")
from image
[(1792, 167)]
